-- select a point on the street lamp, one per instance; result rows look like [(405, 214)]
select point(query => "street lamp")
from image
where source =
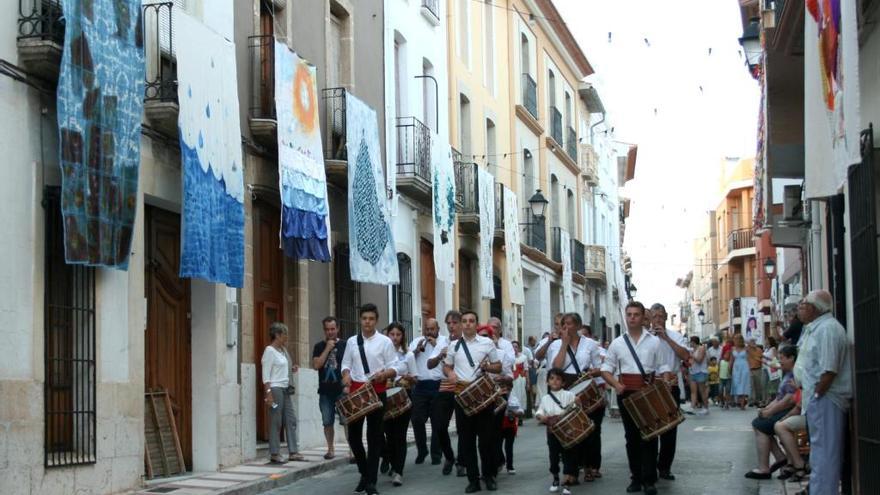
[(769, 267), (632, 291), (701, 316), (751, 43), (538, 203)]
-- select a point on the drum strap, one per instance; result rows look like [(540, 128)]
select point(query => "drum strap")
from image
[(467, 352), (555, 399), (571, 356), (636, 357), (360, 342)]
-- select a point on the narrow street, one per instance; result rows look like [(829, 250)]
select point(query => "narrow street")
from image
[(713, 453)]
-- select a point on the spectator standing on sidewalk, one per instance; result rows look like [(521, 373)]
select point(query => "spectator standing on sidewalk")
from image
[(756, 373), (824, 371), (278, 370), (739, 362), (699, 375), (772, 369)]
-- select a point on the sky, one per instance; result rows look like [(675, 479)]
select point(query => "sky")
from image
[(673, 81)]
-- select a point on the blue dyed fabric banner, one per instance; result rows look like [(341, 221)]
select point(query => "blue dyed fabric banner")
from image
[(100, 103), (373, 254), (305, 217), (212, 246)]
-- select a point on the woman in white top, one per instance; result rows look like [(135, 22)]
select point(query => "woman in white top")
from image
[(278, 370), (520, 374), (699, 375), (394, 453)]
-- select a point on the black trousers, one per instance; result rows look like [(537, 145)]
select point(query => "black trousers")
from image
[(368, 460), (441, 414), (395, 441), (475, 432), (423, 398), (641, 454), (568, 456), (591, 447), (668, 441), (509, 436), (498, 438)]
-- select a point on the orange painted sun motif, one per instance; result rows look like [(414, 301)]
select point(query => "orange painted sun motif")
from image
[(305, 103)]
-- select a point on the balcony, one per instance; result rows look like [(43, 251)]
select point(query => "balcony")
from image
[(578, 257), (41, 37), (530, 95), (431, 11), (571, 144), (556, 125), (466, 197), (499, 212), (587, 162), (740, 239), (414, 159), (556, 246), (334, 135), (160, 88), (536, 231), (595, 264), (262, 119)]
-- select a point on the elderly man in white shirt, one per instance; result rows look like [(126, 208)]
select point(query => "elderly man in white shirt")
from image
[(624, 371), (467, 360), (824, 370), (673, 350), (380, 365), (426, 389)]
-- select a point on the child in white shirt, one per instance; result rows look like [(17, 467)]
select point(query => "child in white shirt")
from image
[(552, 405)]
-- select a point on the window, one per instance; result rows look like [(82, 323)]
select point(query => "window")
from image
[(348, 293), (489, 45), (339, 46), (70, 409), (528, 176), (464, 127), (572, 214), (402, 296), (400, 75), (495, 303), (524, 59), (463, 31), (465, 281), (554, 200), (491, 159), (551, 88), (429, 96), (569, 112)]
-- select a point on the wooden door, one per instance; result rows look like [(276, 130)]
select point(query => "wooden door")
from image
[(268, 293), (267, 61), (428, 279), (167, 340)]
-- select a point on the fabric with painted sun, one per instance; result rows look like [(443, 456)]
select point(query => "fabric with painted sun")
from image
[(305, 102)]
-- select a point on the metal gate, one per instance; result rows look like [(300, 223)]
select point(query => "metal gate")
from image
[(866, 298)]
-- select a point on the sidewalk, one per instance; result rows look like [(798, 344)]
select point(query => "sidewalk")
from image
[(257, 476)]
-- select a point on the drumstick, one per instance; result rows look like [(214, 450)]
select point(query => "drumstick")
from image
[(480, 366)]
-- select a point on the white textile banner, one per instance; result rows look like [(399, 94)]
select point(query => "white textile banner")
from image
[(486, 191), (565, 251), (444, 213), (511, 242)]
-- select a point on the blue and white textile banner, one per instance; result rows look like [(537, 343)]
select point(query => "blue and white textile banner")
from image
[(515, 287), (373, 257), (212, 245), (444, 213), (486, 200), (565, 251), (305, 215)]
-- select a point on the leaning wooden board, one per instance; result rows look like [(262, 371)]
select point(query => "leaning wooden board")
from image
[(163, 455)]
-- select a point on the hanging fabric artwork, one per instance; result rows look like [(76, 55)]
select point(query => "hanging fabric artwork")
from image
[(831, 95), (486, 201), (514, 255), (444, 213), (565, 252), (212, 246), (100, 105), (373, 255), (305, 214)]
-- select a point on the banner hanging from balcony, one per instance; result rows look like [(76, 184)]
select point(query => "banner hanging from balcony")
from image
[(100, 104), (212, 246), (486, 200), (305, 215), (444, 212), (831, 102), (565, 256), (511, 241), (373, 255)]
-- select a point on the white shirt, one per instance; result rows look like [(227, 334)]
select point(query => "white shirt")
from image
[(507, 363), (422, 371), (602, 352), (712, 352), (586, 355), (701, 366), (667, 353), (506, 347), (824, 347), (380, 356), (549, 407), (275, 368), (618, 359), (406, 364), (479, 347)]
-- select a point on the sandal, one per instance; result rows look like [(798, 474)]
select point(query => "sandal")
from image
[(786, 472), (275, 460), (778, 464), (799, 475), (329, 455), (588, 475), (295, 457)]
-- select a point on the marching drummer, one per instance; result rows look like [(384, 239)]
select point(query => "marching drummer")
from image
[(369, 358), (635, 357), (394, 452), (550, 408), (467, 360), (504, 379), (444, 404)]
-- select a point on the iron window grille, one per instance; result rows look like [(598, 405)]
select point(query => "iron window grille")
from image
[(69, 413), (571, 145), (556, 124), (466, 187), (499, 206), (335, 141), (578, 257), (41, 20), (536, 232), (402, 296), (530, 95), (348, 293), (413, 148), (158, 28), (262, 58)]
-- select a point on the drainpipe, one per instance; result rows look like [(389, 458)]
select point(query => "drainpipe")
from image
[(594, 125)]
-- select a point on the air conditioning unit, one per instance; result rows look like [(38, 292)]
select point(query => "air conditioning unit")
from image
[(792, 205)]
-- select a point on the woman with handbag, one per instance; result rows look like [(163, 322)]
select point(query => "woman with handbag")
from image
[(278, 370)]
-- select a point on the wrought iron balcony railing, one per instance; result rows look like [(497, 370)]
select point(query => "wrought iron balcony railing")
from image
[(40, 20), (433, 6), (556, 124), (571, 144), (335, 141), (740, 239), (530, 95), (262, 55), (499, 207), (556, 244), (466, 186), (536, 231), (578, 257), (161, 74), (413, 149)]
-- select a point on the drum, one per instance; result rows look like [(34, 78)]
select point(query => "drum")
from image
[(653, 409), (500, 404), (477, 395), (358, 404), (588, 395), (572, 427), (396, 403)]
